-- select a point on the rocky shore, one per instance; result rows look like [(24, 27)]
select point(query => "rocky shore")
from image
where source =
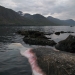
[(36, 38), (39, 38), (62, 32)]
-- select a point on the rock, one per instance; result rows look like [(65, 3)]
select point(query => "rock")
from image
[(36, 38), (38, 41), (48, 33), (32, 34), (67, 45), (57, 33), (55, 62), (70, 32), (71, 26), (63, 32)]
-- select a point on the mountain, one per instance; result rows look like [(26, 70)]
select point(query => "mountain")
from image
[(39, 19), (55, 20), (10, 17), (61, 22), (70, 22), (20, 13), (29, 16)]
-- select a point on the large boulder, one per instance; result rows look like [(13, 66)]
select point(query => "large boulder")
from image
[(54, 62), (67, 45)]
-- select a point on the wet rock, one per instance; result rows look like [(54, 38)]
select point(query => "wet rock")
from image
[(61, 32), (48, 33), (70, 32), (67, 45), (71, 26), (55, 62), (36, 38), (57, 33), (30, 32), (39, 41)]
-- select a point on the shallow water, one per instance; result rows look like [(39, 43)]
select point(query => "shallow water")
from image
[(11, 61)]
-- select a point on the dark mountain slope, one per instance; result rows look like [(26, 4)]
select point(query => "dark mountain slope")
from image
[(39, 19), (61, 22), (70, 22), (10, 17)]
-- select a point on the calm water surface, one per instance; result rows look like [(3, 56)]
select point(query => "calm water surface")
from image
[(11, 61)]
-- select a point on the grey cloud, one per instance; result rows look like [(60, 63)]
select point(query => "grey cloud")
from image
[(62, 9)]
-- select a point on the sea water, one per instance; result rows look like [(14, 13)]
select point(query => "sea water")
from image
[(11, 60)]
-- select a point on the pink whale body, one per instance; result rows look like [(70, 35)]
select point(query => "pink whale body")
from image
[(33, 62), (48, 61)]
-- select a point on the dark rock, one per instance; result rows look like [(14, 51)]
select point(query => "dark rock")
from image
[(63, 32), (70, 32), (55, 62), (31, 33), (48, 33), (71, 26), (36, 38), (67, 45), (57, 33), (38, 41), (66, 32)]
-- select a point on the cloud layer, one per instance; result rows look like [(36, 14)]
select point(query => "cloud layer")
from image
[(63, 9)]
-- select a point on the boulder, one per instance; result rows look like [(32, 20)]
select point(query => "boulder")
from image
[(29, 32), (67, 45)]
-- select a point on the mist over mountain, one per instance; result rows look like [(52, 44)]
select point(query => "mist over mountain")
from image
[(10, 17)]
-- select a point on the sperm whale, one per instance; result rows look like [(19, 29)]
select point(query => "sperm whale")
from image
[(30, 55)]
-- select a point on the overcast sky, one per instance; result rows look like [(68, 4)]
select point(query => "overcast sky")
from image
[(62, 9)]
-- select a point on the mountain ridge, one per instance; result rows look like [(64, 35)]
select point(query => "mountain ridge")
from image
[(10, 17), (39, 19), (61, 22)]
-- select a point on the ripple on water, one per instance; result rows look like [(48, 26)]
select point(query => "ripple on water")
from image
[(12, 62)]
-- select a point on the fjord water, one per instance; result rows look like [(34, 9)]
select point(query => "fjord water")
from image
[(11, 61)]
